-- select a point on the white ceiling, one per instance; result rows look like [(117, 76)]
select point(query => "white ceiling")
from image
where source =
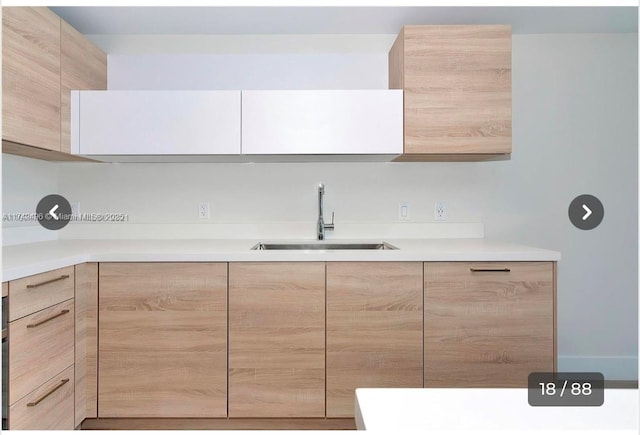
[(341, 20)]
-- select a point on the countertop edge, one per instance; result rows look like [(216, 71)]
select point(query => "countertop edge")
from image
[(84, 254)]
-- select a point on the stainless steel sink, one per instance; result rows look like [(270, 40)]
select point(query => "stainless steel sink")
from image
[(309, 246)]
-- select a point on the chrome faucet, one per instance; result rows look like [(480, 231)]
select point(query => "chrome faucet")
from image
[(322, 227)]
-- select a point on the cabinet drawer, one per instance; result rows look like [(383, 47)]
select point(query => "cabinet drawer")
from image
[(50, 406), (33, 293), (41, 345)]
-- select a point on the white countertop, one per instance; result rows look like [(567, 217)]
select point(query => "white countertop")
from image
[(19, 261), (432, 410)]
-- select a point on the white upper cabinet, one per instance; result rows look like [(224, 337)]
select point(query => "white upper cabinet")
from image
[(159, 123), (322, 122)]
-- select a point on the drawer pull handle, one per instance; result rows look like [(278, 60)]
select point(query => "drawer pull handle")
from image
[(60, 278), (55, 316), (48, 393), (473, 269)]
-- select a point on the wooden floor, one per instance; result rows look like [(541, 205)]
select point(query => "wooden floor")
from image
[(219, 424)]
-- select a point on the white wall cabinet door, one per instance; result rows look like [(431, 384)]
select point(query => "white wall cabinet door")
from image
[(322, 122), (156, 123)]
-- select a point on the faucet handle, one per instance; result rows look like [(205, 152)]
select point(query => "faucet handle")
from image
[(331, 225)]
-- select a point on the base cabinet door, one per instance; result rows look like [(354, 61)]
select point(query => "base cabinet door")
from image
[(162, 348), (374, 330), (276, 339), (487, 324)]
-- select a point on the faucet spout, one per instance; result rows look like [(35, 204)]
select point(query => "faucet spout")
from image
[(322, 227)]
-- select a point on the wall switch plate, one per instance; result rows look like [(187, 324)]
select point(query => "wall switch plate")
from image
[(203, 210), (403, 211), (440, 211)]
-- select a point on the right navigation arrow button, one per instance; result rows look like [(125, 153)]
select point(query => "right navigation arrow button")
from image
[(586, 212)]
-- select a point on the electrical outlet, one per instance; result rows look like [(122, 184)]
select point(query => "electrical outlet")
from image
[(203, 210), (403, 211), (440, 211)]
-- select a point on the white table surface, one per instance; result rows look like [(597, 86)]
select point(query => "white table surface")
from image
[(399, 410), (23, 260)]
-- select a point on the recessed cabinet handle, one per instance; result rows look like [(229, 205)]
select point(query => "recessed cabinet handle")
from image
[(473, 269), (55, 316), (60, 278), (48, 393)]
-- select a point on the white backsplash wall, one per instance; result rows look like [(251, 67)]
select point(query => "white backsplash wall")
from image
[(574, 131), (272, 193), (24, 182)]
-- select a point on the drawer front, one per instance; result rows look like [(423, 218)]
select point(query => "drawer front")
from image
[(40, 345), (50, 406), (487, 324), (36, 292)]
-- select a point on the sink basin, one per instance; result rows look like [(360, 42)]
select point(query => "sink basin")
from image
[(320, 246)]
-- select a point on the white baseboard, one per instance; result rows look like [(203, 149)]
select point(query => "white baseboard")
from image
[(619, 368)]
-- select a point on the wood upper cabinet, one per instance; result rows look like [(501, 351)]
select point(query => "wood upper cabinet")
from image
[(374, 330), (31, 77), (83, 66), (457, 90), (43, 59), (276, 339), (162, 340), (488, 324)]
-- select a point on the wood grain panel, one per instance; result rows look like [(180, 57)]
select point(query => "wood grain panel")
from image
[(162, 340), (276, 339), (52, 287), (457, 88), (5, 289), (219, 424), (38, 353), (374, 330), (487, 329), (82, 66), (31, 76), (86, 356), (451, 157), (55, 411), (17, 149), (396, 63)]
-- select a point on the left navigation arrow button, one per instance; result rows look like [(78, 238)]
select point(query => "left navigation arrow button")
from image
[(52, 212)]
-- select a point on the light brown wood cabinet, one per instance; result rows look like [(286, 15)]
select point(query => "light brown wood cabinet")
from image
[(86, 337), (374, 329), (488, 324), (162, 340), (40, 344), (48, 407), (43, 58), (457, 91), (82, 66), (35, 292), (31, 77), (277, 339)]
